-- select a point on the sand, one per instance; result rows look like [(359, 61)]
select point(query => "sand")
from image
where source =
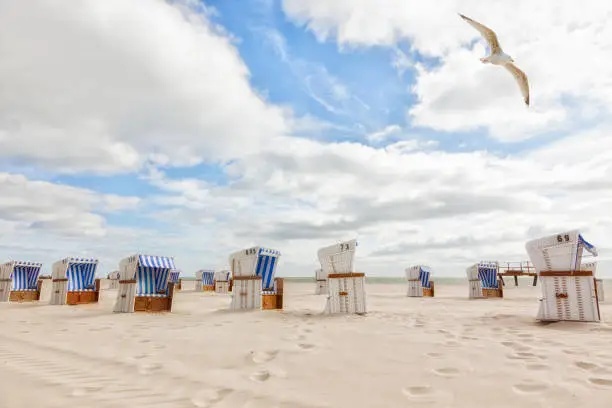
[(407, 352)]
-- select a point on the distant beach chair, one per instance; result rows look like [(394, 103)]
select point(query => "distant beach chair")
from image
[(144, 284), (253, 272), (419, 282), (222, 281), (175, 278), (19, 281), (74, 281), (113, 280), (321, 287), (346, 288), (592, 266), (484, 281), (569, 288), (205, 280)]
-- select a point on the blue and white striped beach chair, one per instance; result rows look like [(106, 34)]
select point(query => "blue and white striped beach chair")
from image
[(419, 281), (569, 287), (145, 284), (484, 281), (19, 281), (205, 280), (175, 277), (253, 271), (74, 281)]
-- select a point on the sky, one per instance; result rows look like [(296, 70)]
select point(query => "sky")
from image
[(194, 129)]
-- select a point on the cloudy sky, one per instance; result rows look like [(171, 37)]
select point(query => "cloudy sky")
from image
[(193, 129)]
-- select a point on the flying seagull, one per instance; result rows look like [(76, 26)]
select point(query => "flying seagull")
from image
[(498, 57)]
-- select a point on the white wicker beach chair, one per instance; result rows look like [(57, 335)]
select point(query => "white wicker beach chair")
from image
[(221, 281), (346, 288), (569, 290), (253, 272), (144, 285), (419, 281), (484, 281), (74, 281)]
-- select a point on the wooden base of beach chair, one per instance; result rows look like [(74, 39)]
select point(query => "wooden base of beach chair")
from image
[(270, 302), (179, 285), (429, 292), (493, 293), (154, 304), (208, 288), (84, 297), (24, 295)]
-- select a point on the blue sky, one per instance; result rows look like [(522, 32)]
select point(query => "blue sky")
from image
[(143, 131)]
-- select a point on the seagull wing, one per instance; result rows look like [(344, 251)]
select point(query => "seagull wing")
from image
[(486, 32), (521, 79)]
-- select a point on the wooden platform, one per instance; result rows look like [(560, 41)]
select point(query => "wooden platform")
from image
[(24, 295), (516, 269), (272, 301), (84, 297), (154, 304)]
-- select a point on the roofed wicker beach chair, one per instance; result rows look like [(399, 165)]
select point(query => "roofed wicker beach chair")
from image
[(569, 290), (254, 285), (205, 280), (74, 281), (484, 281), (222, 281), (346, 288), (19, 281), (175, 278), (419, 281), (144, 285), (113, 280)]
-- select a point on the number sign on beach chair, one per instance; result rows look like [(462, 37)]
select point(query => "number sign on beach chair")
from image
[(569, 289), (346, 288)]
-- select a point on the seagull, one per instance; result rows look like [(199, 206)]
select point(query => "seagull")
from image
[(498, 57)]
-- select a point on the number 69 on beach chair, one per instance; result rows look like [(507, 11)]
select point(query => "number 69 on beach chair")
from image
[(569, 289), (346, 288)]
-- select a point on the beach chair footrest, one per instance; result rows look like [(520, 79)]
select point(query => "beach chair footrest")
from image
[(492, 293), (82, 297), (152, 304)]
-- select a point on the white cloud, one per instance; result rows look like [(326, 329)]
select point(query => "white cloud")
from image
[(563, 47), (101, 86)]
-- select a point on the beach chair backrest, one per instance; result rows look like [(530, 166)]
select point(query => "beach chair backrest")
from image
[(559, 252), (222, 276), (80, 272), (487, 273), (256, 261), (174, 275), (338, 258), (208, 277), (152, 274), (24, 275)]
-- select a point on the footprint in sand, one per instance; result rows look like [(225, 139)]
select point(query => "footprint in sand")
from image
[(447, 371), (261, 375), (306, 346), (572, 352), (83, 391), (585, 365), (537, 367), (525, 335), (263, 356), (418, 391), (140, 356), (149, 368), (434, 355), (516, 346), (602, 382), (208, 398), (307, 330), (529, 387), (521, 356)]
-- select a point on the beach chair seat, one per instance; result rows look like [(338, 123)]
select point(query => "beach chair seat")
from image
[(569, 288), (19, 281), (144, 284), (252, 272), (484, 280), (346, 288), (419, 281)]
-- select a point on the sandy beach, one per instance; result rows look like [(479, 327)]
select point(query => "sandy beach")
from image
[(441, 352)]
